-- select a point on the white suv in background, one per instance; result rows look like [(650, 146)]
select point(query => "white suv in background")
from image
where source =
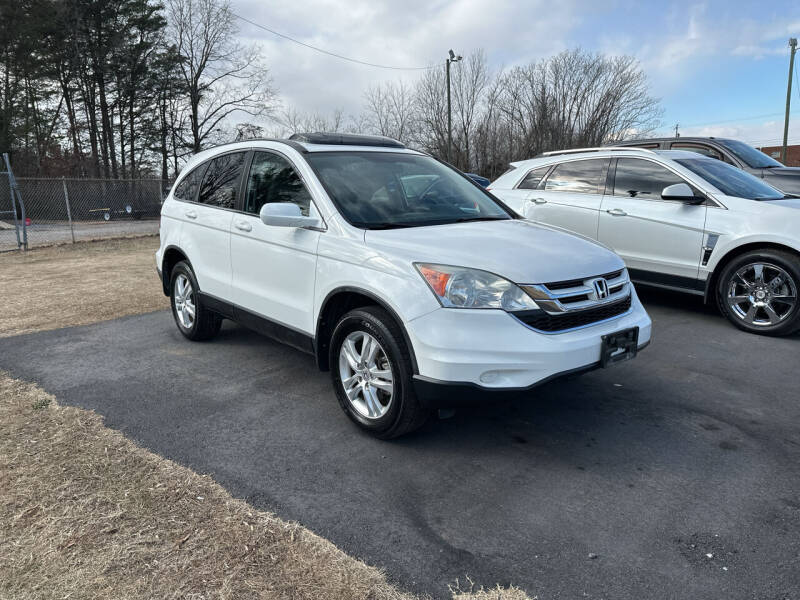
[(679, 220), (404, 278)]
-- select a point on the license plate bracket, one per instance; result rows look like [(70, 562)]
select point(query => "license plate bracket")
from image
[(619, 346)]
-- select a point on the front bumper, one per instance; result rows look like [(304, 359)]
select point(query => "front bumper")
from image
[(462, 354)]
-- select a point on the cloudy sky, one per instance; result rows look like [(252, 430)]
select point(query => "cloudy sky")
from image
[(719, 67)]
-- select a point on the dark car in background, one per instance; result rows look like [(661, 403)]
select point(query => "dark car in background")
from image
[(479, 179), (734, 152)]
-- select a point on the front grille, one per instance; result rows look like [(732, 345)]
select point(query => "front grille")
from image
[(542, 321), (562, 285)]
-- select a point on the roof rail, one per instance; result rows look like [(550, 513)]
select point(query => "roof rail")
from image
[(601, 149)]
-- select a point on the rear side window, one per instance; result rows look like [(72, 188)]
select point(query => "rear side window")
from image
[(636, 178), (533, 178), (221, 181), (648, 145), (578, 177), (272, 179), (704, 150), (187, 188)]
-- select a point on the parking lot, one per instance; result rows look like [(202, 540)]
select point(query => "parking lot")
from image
[(673, 476), (47, 234)]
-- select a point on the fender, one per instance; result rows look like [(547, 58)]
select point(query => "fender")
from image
[(162, 270), (722, 252), (320, 347)]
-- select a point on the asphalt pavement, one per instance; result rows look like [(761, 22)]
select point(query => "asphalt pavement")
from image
[(676, 475)]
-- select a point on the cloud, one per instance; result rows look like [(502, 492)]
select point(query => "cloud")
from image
[(762, 133), (408, 33)]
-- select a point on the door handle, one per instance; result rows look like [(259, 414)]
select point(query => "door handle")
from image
[(617, 212), (191, 214), (538, 200), (243, 226)]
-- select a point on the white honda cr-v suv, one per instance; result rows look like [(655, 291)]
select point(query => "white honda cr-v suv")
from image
[(680, 220), (405, 279)]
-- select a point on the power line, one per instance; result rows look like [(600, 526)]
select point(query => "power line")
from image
[(347, 58), (796, 82)]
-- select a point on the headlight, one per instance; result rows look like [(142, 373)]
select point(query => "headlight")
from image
[(459, 287)]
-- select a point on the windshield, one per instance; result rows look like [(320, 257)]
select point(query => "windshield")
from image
[(755, 159), (386, 190), (729, 180)]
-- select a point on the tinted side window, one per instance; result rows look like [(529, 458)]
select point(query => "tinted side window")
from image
[(648, 145), (704, 150), (221, 181), (272, 179), (578, 177), (636, 178), (533, 178), (187, 188)]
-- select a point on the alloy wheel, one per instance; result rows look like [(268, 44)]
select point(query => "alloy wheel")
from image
[(762, 294), (366, 375), (184, 301)]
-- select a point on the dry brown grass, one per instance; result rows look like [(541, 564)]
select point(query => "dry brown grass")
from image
[(495, 593), (59, 286)]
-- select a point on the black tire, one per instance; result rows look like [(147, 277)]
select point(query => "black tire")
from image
[(206, 324), (759, 322), (404, 413)]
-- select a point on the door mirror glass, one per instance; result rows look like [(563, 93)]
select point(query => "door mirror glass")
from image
[(682, 193), (287, 214)]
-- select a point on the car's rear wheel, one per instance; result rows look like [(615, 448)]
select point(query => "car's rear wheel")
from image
[(371, 372), (758, 292), (193, 320)]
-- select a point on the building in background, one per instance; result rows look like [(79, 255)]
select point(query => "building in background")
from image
[(792, 154)]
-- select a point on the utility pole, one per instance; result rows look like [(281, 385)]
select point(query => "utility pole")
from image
[(793, 46), (677, 135), (450, 59)]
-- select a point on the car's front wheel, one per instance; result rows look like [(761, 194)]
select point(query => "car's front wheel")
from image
[(193, 320), (758, 292), (371, 372)]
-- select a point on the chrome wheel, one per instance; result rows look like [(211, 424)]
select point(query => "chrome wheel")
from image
[(366, 375), (762, 294), (184, 301)]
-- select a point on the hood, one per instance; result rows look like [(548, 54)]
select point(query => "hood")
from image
[(786, 179), (518, 250), (788, 202)]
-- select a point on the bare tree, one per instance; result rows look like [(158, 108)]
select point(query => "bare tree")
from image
[(431, 101), (391, 110), (469, 81), (221, 76), (290, 121)]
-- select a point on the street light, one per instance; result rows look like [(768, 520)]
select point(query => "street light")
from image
[(450, 59)]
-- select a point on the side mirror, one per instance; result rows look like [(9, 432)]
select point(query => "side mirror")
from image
[(287, 214), (682, 193)]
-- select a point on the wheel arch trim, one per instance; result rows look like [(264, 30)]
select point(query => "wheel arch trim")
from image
[(320, 343), (165, 277)]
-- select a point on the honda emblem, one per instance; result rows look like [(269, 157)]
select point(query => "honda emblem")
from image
[(600, 286)]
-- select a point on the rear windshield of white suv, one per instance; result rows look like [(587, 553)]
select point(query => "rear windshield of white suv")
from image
[(730, 180), (386, 190)]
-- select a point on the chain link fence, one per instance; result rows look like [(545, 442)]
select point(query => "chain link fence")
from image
[(63, 210)]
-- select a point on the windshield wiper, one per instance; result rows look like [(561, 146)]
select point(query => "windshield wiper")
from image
[(384, 225), (468, 219)]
